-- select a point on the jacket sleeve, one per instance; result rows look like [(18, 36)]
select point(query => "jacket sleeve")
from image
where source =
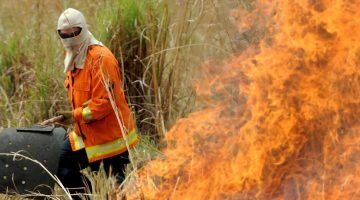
[(104, 73)]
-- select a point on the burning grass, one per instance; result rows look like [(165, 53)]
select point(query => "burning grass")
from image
[(280, 121)]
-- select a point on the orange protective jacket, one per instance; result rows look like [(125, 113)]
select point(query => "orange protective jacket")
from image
[(97, 127)]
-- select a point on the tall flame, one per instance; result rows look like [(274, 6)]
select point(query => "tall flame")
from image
[(280, 121)]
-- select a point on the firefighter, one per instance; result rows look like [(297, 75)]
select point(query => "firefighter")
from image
[(103, 125)]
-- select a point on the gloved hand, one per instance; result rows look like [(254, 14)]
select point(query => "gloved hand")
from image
[(66, 114), (61, 117)]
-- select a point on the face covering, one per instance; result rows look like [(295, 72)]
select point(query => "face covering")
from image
[(77, 45)]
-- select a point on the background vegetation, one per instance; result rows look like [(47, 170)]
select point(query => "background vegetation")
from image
[(159, 45)]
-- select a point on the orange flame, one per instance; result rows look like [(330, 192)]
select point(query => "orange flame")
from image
[(280, 121)]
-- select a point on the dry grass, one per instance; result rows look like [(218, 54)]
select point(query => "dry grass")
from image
[(159, 45), (158, 49)]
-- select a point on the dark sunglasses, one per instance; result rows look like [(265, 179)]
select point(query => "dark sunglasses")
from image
[(69, 35)]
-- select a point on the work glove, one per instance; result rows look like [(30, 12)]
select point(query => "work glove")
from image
[(61, 117), (68, 115)]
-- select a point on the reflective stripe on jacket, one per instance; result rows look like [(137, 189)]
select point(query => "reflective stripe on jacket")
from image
[(96, 126), (106, 150)]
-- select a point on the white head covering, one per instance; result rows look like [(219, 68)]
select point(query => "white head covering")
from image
[(76, 47)]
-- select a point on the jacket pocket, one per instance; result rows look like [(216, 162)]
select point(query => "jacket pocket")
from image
[(81, 93)]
